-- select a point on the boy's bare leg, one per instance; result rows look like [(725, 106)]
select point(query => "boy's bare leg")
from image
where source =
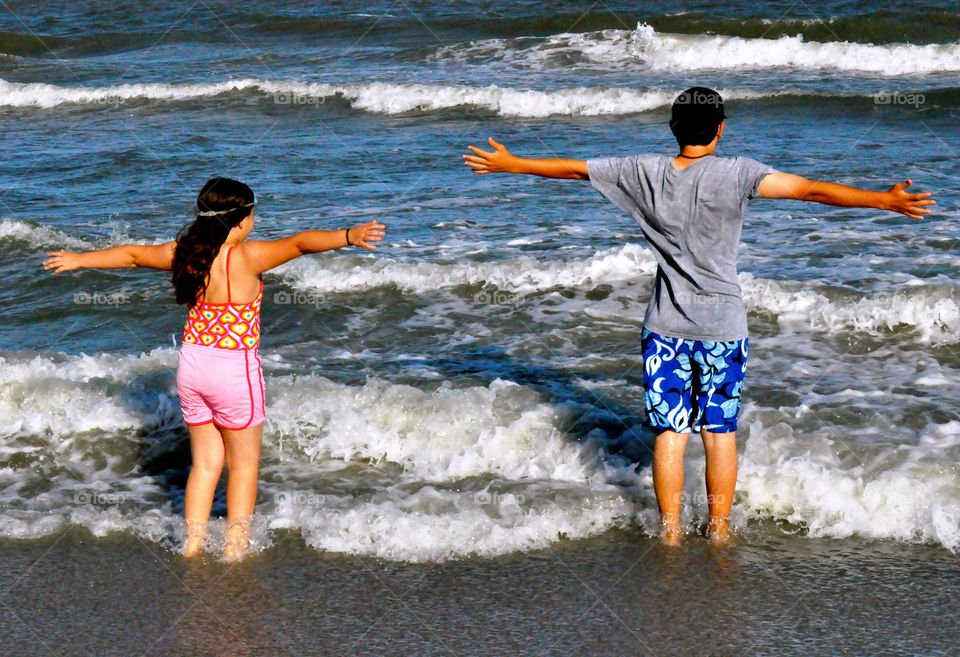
[(721, 450), (668, 452)]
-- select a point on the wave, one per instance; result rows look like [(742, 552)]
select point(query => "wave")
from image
[(402, 99), (646, 49), (132, 32), (397, 472), (377, 97), (38, 236), (524, 274), (508, 433), (912, 496), (380, 468), (932, 311)]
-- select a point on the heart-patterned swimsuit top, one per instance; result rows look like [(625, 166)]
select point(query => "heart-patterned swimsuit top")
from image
[(225, 325)]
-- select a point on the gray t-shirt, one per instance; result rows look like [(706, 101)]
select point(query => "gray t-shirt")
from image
[(692, 219)]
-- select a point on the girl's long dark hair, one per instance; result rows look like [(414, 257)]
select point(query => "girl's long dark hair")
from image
[(199, 243)]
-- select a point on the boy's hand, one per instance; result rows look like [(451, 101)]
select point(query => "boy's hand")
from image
[(899, 200), (499, 161), (62, 261), (368, 232)]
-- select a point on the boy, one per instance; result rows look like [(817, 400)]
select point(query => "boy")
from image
[(694, 339)]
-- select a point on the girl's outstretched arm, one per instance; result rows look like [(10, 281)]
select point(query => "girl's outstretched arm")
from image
[(503, 161), (895, 199), (154, 256), (265, 255)]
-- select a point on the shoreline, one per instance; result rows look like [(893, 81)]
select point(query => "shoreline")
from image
[(619, 593)]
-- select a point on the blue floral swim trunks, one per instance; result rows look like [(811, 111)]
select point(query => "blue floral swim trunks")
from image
[(692, 384)]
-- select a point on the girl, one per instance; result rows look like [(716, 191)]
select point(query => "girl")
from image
[(218, 275)]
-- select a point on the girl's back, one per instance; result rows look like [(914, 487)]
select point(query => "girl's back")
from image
[(237, 283)]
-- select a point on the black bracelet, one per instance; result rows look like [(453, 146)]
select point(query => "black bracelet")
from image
[(347, 233)]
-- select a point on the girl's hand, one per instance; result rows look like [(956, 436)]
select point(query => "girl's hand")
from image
[(368, 232), (499, 161), (899, 200), (62, 261)]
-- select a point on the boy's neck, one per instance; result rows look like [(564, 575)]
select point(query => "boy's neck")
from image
[(690, 154), (695, 152)]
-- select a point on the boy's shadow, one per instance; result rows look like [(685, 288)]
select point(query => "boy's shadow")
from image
[(592, 416)]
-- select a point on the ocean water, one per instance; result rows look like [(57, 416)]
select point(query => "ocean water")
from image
[(473, 388)]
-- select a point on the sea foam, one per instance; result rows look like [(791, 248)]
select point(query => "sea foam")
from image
[(646, 49), (398, 472)]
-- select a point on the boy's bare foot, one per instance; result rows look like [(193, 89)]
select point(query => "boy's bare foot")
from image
[(671, 537), (718, 531), (670, 531)]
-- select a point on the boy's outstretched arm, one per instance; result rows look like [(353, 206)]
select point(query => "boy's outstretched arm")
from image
[(154, 256), (502, 161), (895, 199)]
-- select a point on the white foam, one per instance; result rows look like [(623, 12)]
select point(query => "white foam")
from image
[(930, 310), (38, 236), (801, 479), (437, 525), (451, 433), (398, 472), (646, 49), (380, 436), (379, 97), (38, 94), (518, 275), (65, 397)]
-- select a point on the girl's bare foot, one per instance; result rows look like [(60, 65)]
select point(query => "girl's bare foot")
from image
[(196, 537), (237, 539)]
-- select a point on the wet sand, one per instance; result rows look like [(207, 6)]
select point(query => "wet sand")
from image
[(619, 594)]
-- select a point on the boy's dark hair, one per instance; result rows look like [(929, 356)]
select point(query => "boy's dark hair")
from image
[(222, 204), (695, 116)]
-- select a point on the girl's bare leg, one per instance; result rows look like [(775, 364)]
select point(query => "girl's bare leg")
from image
[(668, 452), (721, 450), (206, 448), (243, 468)]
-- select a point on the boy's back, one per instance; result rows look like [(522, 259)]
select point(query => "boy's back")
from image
[(692, 217), (694, 339)]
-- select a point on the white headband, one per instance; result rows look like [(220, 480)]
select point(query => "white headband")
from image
[(216, 213)]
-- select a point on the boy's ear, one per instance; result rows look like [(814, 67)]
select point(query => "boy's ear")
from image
[(720, 131)]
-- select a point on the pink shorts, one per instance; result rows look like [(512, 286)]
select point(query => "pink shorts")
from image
[(222, 386)]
